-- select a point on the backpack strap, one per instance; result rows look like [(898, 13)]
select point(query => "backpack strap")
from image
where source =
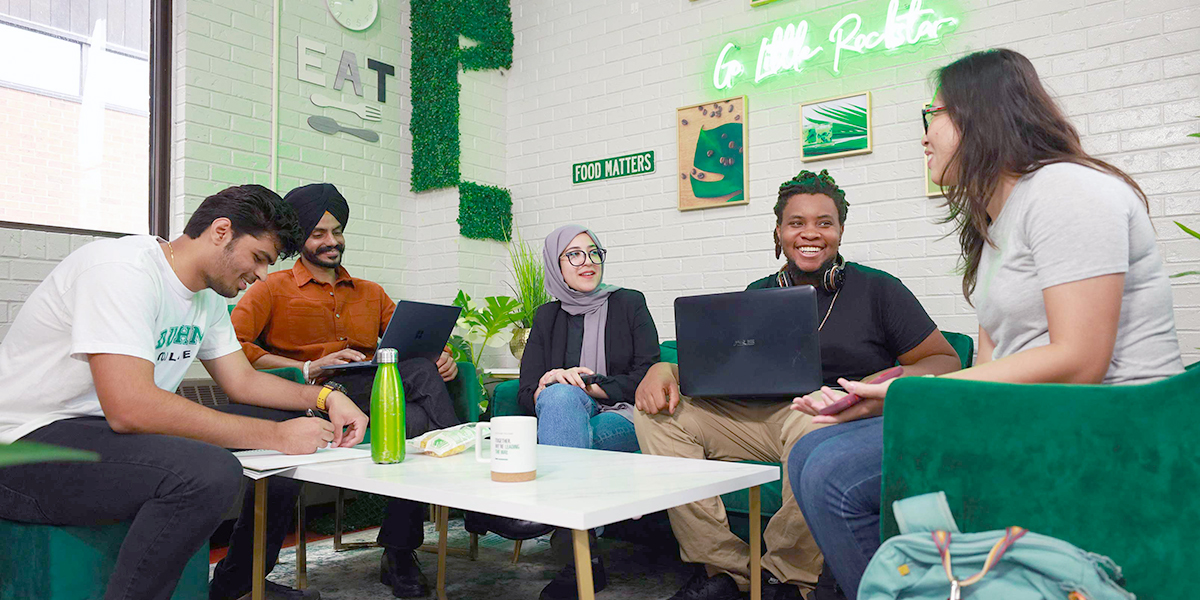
[(927, 512)]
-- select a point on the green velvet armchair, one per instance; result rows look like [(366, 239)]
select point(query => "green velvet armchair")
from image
[(1112, 469)]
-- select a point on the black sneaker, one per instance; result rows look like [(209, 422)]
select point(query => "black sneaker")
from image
[(564, 587), (774, 589), (702, 587), (275, 591), (399, 570)]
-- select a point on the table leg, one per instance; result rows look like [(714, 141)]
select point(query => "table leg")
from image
[(755, 544), (443, 517), (301, 542), (259, 569), (583, 565)]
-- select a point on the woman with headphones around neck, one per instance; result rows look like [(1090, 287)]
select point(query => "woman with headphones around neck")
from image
[(868, 322)]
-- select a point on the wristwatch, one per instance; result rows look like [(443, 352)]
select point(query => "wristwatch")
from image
[(327, 389)]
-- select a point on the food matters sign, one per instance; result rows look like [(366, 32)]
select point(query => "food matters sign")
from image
[(789, 49)]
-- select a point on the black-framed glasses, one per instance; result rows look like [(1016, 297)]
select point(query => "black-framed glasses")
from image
[(927, 114), (577, 258)]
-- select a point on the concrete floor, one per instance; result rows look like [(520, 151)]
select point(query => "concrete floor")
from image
[(635, 572)]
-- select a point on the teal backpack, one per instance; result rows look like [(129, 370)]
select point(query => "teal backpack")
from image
[(932, 560)]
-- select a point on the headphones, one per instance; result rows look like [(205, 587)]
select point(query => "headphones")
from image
[(833, 277)]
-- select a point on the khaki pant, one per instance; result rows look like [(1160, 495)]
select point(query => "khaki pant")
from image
[(735, 430)]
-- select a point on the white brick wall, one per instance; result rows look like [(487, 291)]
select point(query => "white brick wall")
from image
[(600, 78), (26, 257), (594, 79)]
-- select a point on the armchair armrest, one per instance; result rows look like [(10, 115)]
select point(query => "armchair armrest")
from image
[(466, 392), (504, 399), (1111, 469)]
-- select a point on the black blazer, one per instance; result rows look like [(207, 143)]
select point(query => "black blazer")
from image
[(630, 347)]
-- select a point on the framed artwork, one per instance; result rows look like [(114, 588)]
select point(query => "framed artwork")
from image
[(932, 190), (712, 154), (835, 127)]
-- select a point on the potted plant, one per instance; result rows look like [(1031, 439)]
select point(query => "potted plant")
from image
[(482, 325), (530, 291)]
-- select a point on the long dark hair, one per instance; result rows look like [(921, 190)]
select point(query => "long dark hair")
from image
[(1008, 125)]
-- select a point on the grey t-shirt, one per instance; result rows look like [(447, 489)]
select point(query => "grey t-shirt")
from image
[(1067, 222)]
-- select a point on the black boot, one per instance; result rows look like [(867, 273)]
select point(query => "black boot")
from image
[(513, 529), (564, 586), (399, 570)]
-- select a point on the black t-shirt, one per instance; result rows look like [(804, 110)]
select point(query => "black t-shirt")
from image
[(873, 322)]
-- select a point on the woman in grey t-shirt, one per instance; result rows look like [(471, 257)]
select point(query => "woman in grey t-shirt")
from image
[(1060, 263)]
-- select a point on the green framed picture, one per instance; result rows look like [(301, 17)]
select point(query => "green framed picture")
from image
[(835, 127), (712, 151)]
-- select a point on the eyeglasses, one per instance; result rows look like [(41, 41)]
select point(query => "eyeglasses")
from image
[(578, 257), (927, 114)]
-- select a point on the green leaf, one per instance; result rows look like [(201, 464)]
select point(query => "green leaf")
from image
[(460, 350), (18, 453), (1185, 274), (714, 155), (1189, 231)]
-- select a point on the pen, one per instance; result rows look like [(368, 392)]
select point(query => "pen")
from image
[(312, 412)]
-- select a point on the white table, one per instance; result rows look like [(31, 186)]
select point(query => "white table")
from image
[(575, 488)]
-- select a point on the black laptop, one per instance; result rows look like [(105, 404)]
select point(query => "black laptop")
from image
[(417, 330), (752, 344)]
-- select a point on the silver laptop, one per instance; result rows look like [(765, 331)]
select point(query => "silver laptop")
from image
[(752, 344)]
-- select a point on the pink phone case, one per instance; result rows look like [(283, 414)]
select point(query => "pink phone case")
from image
[(851, 399)]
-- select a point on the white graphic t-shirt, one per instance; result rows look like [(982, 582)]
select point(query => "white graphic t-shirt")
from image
[(109, 297)]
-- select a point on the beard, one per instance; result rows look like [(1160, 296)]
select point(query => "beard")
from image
[(224, 265), (813, 278), (315, 258)]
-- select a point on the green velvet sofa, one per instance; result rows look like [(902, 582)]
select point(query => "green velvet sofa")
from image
[(1112, 469), (737, 504)]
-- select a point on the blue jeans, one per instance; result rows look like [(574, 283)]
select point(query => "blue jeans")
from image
[(567, 416), (836, 474)]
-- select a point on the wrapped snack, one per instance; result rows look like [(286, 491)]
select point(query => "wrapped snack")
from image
[(449, 441)]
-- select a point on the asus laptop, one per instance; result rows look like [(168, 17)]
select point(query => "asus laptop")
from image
[(752, 344)]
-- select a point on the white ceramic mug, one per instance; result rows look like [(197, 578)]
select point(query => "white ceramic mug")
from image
[(514, 448)]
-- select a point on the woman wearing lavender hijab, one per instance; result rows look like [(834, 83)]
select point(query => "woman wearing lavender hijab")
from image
[(586, 354)]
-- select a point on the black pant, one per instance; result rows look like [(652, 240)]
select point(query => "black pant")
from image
[(174, 490), (427, 407)]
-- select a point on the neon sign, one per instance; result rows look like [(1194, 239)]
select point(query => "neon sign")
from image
[(788, 49)]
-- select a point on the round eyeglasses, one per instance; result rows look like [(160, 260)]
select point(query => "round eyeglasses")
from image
[(577, 258), (927, 114)]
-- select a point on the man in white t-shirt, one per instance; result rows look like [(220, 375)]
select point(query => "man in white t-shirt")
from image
[(92, 362)]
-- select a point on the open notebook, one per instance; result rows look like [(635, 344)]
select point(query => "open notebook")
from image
[(263, 463)]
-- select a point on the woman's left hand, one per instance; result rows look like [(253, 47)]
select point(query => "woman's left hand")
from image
[(870, 405)]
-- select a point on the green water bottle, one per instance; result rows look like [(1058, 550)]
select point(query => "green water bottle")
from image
[(388, 433)]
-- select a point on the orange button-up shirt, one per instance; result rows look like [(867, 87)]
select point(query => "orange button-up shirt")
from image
[(293, 315)]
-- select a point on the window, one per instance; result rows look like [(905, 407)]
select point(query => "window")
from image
[(75, 103)]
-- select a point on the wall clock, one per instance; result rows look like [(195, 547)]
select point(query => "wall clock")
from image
[(355, 15)]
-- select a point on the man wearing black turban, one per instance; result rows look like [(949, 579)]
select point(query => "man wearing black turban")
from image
[(315, 314)]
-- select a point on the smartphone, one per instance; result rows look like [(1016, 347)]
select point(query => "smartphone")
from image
[(851, 399), (587, 380)]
